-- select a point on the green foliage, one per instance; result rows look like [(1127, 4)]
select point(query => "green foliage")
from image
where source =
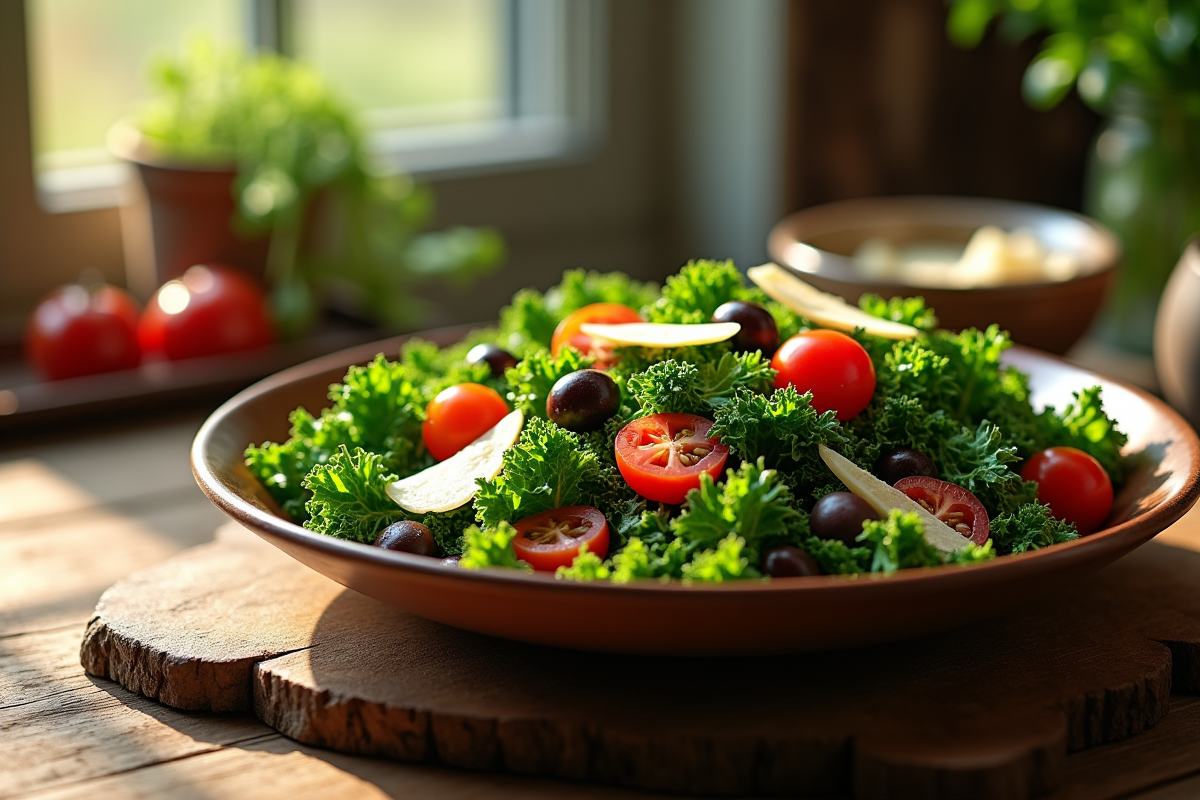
[(530, 381), (783, 430), (836, 558), (585, 568), (491, 547), (291, 138), (349, 498), (1030, 527), (637, 561), (547, 468), (680, 386), (1098, 45), (449, 527), (899, 542), (725, 562), (751, 502), (1084, 425), (905, 310), (695, 292), (281, 468)]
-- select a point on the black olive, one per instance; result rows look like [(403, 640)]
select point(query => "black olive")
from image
[(583, 400), (904, 463), (496, 358), (789, 562), (451, 561), (407, 536), (759, 331), (840, 515)]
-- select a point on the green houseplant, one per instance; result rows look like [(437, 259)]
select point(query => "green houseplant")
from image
[(1137, 62), (287, 169)]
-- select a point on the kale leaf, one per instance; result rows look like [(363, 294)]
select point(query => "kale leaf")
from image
[(349, 496), (675, 386), (751, 502), (530, 381), (725, 562), (1028, 528), (491, 547)]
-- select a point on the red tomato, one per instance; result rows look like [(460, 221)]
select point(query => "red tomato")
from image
[(1073, 484), (568, 331), (831, 365), (662, 456), (552, 539), (79, 331), (212, 309), (950, 503), (460, 415)]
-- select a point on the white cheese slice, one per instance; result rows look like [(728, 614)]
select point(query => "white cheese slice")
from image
[(662, 334), (451, 483), (824, 309), (883, 498)]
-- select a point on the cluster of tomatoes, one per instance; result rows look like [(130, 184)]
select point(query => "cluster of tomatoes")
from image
[(663, 456), (212, 309)]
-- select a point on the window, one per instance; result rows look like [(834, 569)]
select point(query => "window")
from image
[(445, 86)]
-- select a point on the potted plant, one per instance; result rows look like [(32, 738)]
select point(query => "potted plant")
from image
[(253, 161), (1139, 64)]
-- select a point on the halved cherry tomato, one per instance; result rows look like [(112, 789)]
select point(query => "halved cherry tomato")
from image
[(458, 416), (552, 539), (1073, 484), (568, 331), (831, 365), (950, 503), (662, 456)]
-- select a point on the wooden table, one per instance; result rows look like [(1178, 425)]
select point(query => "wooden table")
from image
[(82, 511)]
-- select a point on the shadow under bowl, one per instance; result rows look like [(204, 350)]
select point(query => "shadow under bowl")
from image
[(739, 618), (819, 243)]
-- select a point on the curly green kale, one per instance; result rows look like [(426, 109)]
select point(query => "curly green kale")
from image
[(530, 381), (281, 468), (491, 547), (548, 468), (1030, 527), (449, 527), (782, 429), (725, 562), (697, 290), (905, 310), (899, 542), (1084, 425), (836, 558), (751, 502), (349, 496), (432, 368), (638, 561), (675, 386), (586, 567)]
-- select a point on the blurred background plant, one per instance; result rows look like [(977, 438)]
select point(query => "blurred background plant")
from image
[(339, 226), (1137, 62)]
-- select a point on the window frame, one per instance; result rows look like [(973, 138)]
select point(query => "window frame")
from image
[(556, 108)]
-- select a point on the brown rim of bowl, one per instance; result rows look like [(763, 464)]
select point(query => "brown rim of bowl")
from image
[(1102, 545), (782, 236)]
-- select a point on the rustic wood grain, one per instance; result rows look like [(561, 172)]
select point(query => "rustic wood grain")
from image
[(984, 712)]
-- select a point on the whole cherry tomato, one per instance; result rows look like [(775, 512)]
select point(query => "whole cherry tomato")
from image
[(81, 331), (1073, 484), (831, 365), (458, 416), (553, 539), (662, 456), (212, 309), (568, 331), (950, 503)]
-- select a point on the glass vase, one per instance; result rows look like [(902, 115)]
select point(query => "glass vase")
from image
[(1143, 182)]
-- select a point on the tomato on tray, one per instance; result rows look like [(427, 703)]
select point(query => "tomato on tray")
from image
[(1073, 484), (662, 456), (78, 330), (458, 416), (211, 310), (568, 331), (950, 503), (831, 365), (553, 539)]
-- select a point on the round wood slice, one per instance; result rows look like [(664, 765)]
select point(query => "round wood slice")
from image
[(989, 711)]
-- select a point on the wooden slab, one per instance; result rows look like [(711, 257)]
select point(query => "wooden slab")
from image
[(985, 712)]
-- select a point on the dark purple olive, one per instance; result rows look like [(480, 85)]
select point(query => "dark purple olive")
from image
[(407, 536), (451, 561), (789, 562), (758, 332), (583, 400), (497, 359), (904, 463), (840, 515)]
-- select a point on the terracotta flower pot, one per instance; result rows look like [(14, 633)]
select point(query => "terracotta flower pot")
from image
[(179, 215)]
